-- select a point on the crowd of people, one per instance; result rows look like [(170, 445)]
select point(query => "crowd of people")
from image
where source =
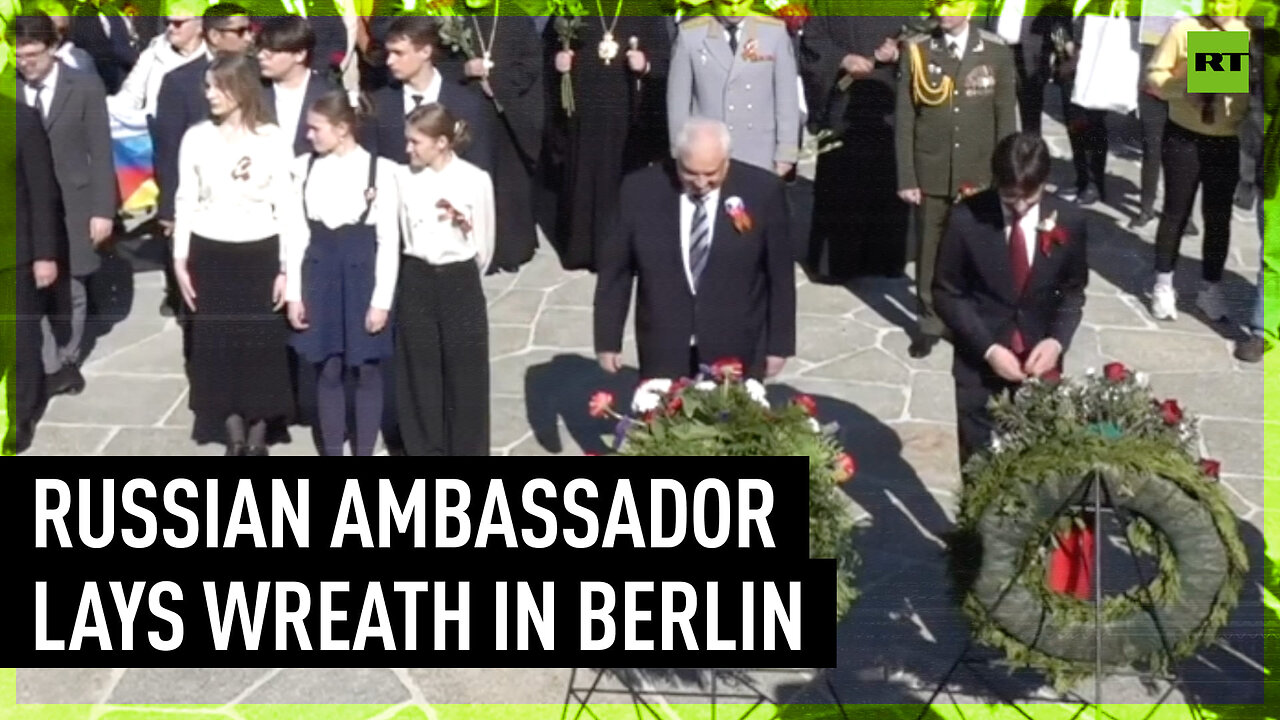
[(333, 187)]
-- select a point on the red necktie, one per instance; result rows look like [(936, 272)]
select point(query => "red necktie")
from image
[(1021, 265)]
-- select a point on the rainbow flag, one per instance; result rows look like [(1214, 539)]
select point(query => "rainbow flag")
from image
[(135, 173)]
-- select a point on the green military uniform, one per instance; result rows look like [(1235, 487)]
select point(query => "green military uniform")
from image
[(948, 124)]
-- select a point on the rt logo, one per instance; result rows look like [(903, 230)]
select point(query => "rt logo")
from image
[(1219, 62)]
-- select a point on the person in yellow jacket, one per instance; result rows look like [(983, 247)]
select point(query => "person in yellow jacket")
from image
[(1201, 151)]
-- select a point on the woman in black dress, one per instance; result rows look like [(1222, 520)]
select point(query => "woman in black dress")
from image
[(235, 213)]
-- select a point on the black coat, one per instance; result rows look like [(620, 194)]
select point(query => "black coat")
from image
[(973, 285), (35, 225), (383, 133), (317, 87), (114, 55), (180, 105), (746, 305)]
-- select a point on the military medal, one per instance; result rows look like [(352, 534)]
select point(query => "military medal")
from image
[(608, 48)]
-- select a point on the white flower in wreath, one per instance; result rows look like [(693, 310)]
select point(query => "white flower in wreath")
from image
[(1142, 379), (814, 426), (997, 444), (757, 392), (1090, 372), (644, 401), (662, 386), (704, 385)]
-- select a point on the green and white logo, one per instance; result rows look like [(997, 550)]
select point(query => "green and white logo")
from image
[(1217, 62)]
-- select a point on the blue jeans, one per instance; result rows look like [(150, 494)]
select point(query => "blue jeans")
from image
[(1268, 271)]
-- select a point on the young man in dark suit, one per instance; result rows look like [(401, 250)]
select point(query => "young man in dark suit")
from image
[(1012, 270), (73, 106), (707, 242), (107, 36), (38, 240), (412, 48), (285, 45), (180, 105)]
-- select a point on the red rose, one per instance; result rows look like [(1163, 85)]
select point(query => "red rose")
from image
[(674, 406), (795, 15), (337, 57), (1170, 411), (727, 368), (808, 403), (1115, 372), (601, 404), (1056, 236), (845, 468), (1210, 467)]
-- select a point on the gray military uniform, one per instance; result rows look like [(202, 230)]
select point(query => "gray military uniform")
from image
[(753, 91)]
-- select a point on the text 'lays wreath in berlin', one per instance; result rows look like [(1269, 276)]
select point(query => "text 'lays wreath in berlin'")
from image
[(1022, 501), (719, 413)]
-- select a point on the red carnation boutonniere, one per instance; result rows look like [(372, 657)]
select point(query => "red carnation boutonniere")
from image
[(795, 15), (336, 58), (1051, 233), (453, 214), (967, 189), (738, 213)]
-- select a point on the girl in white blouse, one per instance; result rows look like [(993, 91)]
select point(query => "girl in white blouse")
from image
[(442, 327), (342, 274), (235, 213)]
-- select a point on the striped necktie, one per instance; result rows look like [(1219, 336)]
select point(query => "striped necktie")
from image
[(699, 239)]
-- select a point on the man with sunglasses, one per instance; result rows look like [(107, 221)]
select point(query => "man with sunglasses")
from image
[(1010, 283), (181, 104)]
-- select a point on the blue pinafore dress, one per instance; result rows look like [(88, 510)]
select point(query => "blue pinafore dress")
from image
[(338, 276)]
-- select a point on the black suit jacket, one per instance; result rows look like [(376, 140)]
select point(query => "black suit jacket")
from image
[(973, 284), (384, 135), (180, 105), (37, 225), (114, 55), (746, 305), (317, 87)]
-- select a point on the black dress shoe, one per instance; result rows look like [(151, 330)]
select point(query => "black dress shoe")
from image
[(1143, 219), (922, 346), (235, 449), (67, 381), (256, 451), (1088, 196)]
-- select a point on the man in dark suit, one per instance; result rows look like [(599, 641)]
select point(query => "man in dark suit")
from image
[(180, 105), (73, 106), (1012, 270), (285, 45), (412, 47), (707, 242), (34, 226), (107, 36)]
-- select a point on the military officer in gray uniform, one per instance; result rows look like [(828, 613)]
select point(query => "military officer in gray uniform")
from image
[(742, 71), (957, 97)]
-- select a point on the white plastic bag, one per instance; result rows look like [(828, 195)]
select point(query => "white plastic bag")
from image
[(1107, 72)]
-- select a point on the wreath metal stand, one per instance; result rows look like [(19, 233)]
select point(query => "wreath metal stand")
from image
[(1093, 493), (741, 690)]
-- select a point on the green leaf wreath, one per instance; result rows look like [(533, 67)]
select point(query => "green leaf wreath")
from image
[(1051, 438), (718, 413)]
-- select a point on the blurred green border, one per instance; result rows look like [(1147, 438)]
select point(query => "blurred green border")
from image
[(10, 710)]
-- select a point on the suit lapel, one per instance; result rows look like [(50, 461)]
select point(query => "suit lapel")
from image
[(716, 46), (993, 249), (61, 94)]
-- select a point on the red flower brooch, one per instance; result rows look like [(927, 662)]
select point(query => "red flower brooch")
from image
[(795, 15), (967, 189), (454, 215), (737, 211), (1051, 233)]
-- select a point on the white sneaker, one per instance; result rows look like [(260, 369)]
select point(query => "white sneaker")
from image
[(1164, 302), (1212, 303)]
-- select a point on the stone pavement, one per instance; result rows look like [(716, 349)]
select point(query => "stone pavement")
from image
[(897, 417)]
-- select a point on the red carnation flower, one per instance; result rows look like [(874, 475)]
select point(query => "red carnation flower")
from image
[(808, 403), (601, 404), (845, 468), (337, 57), (674, 406), (727, 368), (1210, 467), (1170, 412), (1115, 372), (795, 15)]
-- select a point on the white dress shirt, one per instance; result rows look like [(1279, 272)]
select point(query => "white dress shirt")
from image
[(430, 95), (429, 234), (335, 196), (961, 40), (289, 102), (236, 190), (48, 87), (687, 208)]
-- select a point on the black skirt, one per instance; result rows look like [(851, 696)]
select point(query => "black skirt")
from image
[(239, 359)]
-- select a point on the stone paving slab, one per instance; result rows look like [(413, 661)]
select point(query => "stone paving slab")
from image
[(896, 416)]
